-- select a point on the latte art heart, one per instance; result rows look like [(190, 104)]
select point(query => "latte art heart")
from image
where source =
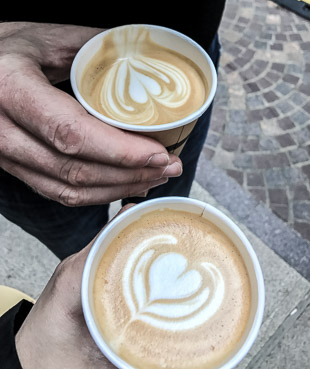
[(165, 292), (134, 80), (134, 86)]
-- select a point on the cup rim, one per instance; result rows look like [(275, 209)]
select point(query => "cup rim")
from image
[(90, 321), (134, 127)]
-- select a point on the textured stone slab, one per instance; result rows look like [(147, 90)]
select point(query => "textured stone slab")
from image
[(286, 242), (286, 295), (25, 263), (289, 346)]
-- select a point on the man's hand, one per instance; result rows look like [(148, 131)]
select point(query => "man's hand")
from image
[(54, 334), (49, 141)]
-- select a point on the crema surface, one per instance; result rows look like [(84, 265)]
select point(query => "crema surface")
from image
[(134, 80), (172, 291)]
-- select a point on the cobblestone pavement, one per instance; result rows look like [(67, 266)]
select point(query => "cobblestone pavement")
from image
[(260, 131)]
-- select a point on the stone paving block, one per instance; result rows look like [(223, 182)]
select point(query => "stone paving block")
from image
[(299, 155), (255, 179), (282, 211), (301, 210), (268, 144), (278, 196), (300, 192), (259, 194), (303, 228), (230, 143), (281, 177), (285, 140), (300, 118), (286, 123), (267, 161), (306, 170), (302, 136), (243, 161), (237, 175)]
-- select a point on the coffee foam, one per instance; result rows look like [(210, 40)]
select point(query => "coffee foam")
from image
[(183, 298), (134, 80)]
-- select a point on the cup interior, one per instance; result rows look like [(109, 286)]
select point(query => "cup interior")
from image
[(166, 37), (213, 215)]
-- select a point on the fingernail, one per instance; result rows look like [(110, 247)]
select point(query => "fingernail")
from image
[(173, 170), (158, 160)]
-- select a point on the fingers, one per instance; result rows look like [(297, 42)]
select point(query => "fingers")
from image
[(60, 121), (20, 147), (72, 196)]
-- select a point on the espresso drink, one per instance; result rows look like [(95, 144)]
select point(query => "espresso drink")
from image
[(172, 291), (134, 80)]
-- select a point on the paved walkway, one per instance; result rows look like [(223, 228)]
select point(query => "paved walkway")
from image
[(260, 133)]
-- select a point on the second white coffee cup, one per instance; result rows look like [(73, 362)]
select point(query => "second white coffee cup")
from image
[(213, 215)]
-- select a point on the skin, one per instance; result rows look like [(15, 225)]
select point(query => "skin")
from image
[(49, 141), (54, 334)]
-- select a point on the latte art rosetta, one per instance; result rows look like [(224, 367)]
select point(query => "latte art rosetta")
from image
[(134, 80), (165, 292)]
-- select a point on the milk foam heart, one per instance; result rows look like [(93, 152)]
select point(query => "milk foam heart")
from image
[(138, 80), (165, 292), (134, 80)]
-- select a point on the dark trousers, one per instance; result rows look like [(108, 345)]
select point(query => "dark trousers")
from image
[(65, 230)]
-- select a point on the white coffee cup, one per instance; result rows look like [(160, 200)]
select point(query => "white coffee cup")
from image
[(172, 135), (213, 215)]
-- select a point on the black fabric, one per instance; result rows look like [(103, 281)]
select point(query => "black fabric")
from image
[(10, 323), (299, 7), (197, 19)]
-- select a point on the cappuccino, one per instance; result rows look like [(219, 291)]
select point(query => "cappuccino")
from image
[(133, 79), (172, 291)]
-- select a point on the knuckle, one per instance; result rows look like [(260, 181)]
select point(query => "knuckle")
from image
[(139, 177), (71, 197), (74, 172), (127, 159), (145, 175), (131, 191), (60, 272), (66, 135)]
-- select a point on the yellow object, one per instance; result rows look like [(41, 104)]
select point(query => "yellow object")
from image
[(9, 297), (305, 1)]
